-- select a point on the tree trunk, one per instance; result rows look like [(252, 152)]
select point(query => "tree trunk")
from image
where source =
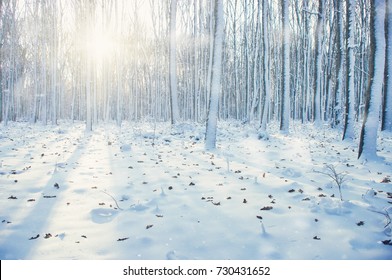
[(339, 59), (387, 104), (212, 118), (368, 141), (285, 84), (317, 64), (266, 82), (349, 116), (175, 115)]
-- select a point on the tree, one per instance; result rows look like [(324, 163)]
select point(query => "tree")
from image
[(339, 59), (285, 85), (387, 104), (266, 80), (349, 118), (1, 60), (175, 115), (212, 118), (368, 139), (317, 64)]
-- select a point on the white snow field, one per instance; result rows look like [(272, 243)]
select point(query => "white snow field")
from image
[(147, 191)]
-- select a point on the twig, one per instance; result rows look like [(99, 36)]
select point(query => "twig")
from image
[(338, 178), (113, 199), (386, 214)]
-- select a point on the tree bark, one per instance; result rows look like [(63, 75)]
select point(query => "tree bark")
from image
[(368, 139), (212, 118)]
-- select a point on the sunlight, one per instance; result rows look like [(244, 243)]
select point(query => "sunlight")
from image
[(100, 46)]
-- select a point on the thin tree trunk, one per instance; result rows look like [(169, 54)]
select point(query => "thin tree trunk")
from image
[(387, 104), (175, 115), (285, 84), (212, 118), (317, 64), (349, 119)]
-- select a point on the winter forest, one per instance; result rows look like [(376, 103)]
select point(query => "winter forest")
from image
[(176, 129)]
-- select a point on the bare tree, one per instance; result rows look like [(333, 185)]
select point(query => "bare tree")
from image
[(285, 85), (368, 139), (175, 115), (212, 118), (387, 104), (349, 118)]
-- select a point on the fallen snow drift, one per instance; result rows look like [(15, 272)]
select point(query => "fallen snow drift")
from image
[(146, 191)]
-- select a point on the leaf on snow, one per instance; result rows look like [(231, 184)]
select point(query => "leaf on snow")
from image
[(386, 180), (123, 239), (149, 226), (267, 208), (34, 237), (47, 235), (360, 223), (12, 197), (316, 238), (259, 217), (387, 242)]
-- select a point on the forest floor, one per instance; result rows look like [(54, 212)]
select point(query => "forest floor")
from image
[(146, 191)]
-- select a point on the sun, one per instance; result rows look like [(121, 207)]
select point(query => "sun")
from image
[(101, 46)]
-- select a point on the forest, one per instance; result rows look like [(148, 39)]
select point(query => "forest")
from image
[(99, 61), (290, 95)]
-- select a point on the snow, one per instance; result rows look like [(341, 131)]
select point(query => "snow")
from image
[(114, 194)]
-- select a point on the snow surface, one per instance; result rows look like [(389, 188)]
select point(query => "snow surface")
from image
[(143, 192)]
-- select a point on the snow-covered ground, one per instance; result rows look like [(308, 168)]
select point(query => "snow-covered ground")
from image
[(147, 191)]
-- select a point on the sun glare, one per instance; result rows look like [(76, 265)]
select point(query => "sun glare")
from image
[(101, 46)]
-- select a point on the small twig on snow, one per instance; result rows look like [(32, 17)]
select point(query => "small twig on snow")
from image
[(113, 199)]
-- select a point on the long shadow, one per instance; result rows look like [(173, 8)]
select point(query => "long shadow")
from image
[(24, 236)]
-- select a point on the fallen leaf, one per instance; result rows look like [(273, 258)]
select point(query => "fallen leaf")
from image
[(267, 208), (35, 237), (149, 226), (386, 180), (387, 242), (316, 238), (123, 239)]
